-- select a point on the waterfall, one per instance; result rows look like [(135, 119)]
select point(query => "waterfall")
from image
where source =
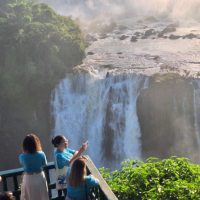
[(196, 84), (101, 110)]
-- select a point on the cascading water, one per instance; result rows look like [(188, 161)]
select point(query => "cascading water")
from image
[(103, 111), (196, 84), (127, 43)]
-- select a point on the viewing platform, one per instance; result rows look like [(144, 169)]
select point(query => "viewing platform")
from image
[(11, 180)]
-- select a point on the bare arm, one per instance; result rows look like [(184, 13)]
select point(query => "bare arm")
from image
[(79, 152)]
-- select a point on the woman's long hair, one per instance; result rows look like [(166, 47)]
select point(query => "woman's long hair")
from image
[(77, 173), (31, 144)]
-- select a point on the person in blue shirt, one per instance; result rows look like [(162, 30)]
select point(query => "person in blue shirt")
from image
[(33, 162), (79, 184), (33, 159), (63, 157)]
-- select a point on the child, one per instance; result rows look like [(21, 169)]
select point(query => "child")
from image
[(33, 159), (64, 156), (79, 183)]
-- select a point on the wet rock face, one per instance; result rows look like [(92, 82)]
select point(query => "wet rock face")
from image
[(123, 37), (190, 36), (89, 39), (149, 32), (170, 28), (174, 37), (90, 53), (137, 33), (103, 36), (133, 39), (166, 117)]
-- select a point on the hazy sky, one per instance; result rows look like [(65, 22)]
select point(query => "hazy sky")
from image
[(90, 9)]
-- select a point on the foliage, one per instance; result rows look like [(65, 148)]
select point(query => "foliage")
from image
[(169, 179), (38, 47)]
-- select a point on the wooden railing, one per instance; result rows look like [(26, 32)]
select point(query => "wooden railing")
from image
[(11, 180)]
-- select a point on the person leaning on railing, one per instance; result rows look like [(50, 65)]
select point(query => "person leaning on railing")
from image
[(33, 159), (63, 157), (79, 184)]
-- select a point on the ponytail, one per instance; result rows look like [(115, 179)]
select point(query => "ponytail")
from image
[(57, 140)]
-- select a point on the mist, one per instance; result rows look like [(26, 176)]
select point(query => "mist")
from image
[(89, 10)]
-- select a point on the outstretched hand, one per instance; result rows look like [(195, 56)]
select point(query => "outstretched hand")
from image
[(84, 146)]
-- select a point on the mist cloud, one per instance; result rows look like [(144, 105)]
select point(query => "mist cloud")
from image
[(112, 9)]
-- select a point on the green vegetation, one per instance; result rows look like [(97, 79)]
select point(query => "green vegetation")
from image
[(169, 179), (37, 48)]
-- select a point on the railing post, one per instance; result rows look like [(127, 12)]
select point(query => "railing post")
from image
[(16, 187), (5, 185), (48, 180), (59, 193)]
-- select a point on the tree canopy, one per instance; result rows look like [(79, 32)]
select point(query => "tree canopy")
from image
[(38, 46)]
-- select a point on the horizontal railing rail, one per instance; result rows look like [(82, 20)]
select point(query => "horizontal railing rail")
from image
[(11, 180)]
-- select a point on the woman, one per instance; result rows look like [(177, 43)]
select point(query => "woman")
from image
[(79, 183), (33, 159), (64, 156)]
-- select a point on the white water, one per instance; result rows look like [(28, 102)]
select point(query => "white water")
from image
[(196, 84), (100, 109), (88, 106)]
